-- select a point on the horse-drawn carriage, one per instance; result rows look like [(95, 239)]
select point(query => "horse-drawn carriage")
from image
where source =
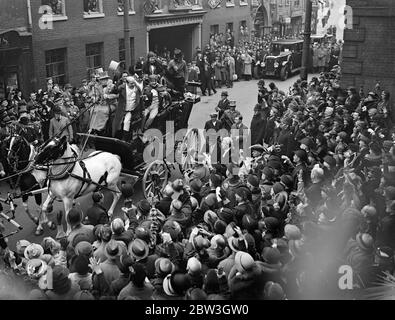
[(67, 173), (154, 173)]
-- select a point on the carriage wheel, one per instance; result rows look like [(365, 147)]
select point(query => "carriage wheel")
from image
[(195, 141), (155, 179)]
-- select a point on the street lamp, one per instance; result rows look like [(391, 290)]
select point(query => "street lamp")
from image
[(306, 43), (126, 34)]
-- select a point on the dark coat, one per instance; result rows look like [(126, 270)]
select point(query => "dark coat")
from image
[(270, 126), (386, 234), (258, 127), (287, 141), (210, 125)]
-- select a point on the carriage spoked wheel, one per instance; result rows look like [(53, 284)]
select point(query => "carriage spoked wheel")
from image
[(155, 179), (194, 143)]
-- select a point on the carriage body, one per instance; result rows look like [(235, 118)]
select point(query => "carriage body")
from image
[(154, 175)]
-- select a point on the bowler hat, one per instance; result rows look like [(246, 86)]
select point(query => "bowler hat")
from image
[(144, 206), (138, 249)]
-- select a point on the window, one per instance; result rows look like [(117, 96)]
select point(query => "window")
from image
[(287, 3), (297, 3), (55, 65), (229, 26), (243, 3), (58, 9), (94, 57), (230, 3), (120, 7), (122, 53), (93, 8), (214, 29)]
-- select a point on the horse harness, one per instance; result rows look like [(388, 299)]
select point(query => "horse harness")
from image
[(86, 178)]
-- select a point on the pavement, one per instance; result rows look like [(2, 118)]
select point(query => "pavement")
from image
[(244, 92)]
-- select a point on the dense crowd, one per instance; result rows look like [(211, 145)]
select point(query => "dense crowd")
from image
[(318, 194)]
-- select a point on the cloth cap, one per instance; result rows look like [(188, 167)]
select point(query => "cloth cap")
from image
[(83, 248)]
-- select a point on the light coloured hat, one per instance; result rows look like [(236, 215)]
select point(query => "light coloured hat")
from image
[(113, 65), (33, 251), (36, 268)]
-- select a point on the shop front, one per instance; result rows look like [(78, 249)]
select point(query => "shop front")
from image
[(16, 70)]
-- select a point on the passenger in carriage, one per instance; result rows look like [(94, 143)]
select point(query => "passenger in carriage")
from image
[(129, 107), (151, 102)]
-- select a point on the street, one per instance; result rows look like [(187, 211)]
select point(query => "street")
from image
[(244, 92)]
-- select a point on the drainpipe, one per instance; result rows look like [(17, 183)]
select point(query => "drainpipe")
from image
[(29, 15)]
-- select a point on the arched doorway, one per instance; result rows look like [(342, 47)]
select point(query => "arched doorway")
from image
[(261, 22)]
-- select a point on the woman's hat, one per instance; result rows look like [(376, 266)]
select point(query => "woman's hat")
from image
[(225, 214), (60, 279), (243, 261), (33, 251), (36, 268), (138, 249), (238, 244)]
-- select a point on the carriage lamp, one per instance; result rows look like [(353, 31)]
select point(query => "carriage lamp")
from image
[(276, 64), (263, 64)]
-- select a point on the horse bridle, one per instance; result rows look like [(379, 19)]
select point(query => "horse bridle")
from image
[(13, 154)]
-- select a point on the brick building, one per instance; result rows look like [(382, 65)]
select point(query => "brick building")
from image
[(15, 46), (234, 14), (67, 39), (369, 47), (288, 17)]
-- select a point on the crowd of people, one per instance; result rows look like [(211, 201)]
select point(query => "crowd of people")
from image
[(318, 194)]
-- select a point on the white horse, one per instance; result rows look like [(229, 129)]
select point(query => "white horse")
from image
[(68, 178)]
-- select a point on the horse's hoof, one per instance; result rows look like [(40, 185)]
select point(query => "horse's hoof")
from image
[(35, 220), (39, 232)]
